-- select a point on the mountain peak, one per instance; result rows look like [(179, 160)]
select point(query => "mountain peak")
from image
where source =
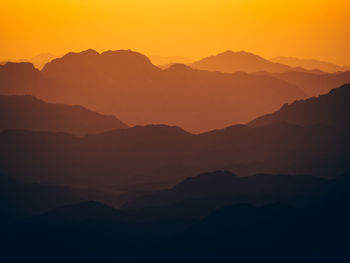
[(75, 55), (179, 67), (241, 61), (127, 56), (237, 53), (18, 67), (91, 62)]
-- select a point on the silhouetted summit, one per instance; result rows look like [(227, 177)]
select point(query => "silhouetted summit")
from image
[(29, 113), (242, 61), (110, 63), (331, 109), (179, 67), (19, 79)]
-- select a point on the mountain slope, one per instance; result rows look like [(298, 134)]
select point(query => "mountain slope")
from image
[(331, 109), (29, 113)]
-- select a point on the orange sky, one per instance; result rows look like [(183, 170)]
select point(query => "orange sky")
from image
[(195, 28)]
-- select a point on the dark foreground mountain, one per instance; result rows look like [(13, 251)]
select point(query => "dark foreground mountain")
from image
[(127, 84), (332, 109), (93, 232), (29, 113), (231, 62)]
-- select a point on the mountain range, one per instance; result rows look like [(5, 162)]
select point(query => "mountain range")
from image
[(93, 231), (77, 185), (128, 85), (163, 155)]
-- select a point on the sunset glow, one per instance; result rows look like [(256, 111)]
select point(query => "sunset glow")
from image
[(193, 28)]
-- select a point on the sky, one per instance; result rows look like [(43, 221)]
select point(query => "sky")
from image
[(317, 29)]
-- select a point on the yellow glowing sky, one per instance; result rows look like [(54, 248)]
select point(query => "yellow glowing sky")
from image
[(195, 28)]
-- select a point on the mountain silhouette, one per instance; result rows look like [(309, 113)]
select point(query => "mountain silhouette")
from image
[(242, 61), (128, 85), (310, 64), (331, 109), (29, 113), (90, 231)]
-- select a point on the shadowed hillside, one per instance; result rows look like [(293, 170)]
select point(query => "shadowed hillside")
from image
[(92, 231)]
